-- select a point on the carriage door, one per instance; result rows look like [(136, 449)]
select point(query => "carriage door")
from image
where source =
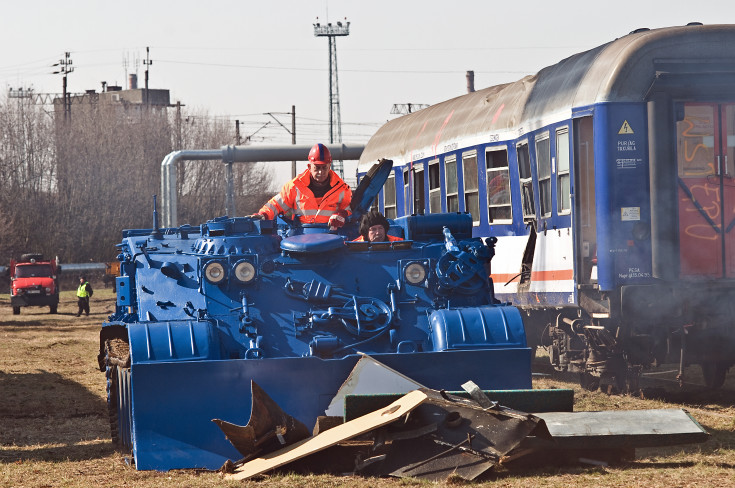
[(706, 178)]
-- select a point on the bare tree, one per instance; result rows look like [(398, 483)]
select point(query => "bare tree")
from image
[(109, 168), (68, 187), (27, 176), (201, 184)]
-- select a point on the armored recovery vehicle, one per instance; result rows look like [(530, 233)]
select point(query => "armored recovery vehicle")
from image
[(203, 310)]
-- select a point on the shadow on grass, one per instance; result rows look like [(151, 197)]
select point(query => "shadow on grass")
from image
[(44, 416), (72, 453)]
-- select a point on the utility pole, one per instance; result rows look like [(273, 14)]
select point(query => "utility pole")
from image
[(335, 121), (147, 62), (65, 67), (292, 132), (293, 138), (178, 125)]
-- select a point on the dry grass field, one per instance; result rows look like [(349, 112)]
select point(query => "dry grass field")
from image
[(54, 430)]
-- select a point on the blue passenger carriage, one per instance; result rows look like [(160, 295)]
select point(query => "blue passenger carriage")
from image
[(609, 182)]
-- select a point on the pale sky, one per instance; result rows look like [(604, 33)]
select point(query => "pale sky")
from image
[(241, 59)]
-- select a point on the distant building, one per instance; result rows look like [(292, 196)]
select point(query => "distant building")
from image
[(114, 96)]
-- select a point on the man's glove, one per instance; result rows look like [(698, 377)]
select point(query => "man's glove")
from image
[(337, 219), (258, 216)]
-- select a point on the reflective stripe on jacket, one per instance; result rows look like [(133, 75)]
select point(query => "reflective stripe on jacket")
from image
[(297, 201), (82, 290)]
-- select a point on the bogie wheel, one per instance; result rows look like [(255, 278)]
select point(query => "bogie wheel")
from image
[(714, 373), (16, 310)]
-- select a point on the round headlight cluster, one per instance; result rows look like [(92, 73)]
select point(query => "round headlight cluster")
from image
[(244, 272), (214, 272), (415, 273)]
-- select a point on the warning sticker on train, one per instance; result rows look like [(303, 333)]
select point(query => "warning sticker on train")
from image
[(625, 128)]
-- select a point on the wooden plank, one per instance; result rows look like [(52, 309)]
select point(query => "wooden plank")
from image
[(329, 438)]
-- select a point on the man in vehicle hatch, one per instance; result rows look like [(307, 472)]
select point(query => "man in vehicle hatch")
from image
[(316, 196), (374, 228)]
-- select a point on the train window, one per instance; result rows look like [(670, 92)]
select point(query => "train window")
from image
[(471, 193), (524, 172), (563, 190), (389, 197), (406, 191), (435, 200), (498, 185), (450, 183), (419, 205), (543, 169)]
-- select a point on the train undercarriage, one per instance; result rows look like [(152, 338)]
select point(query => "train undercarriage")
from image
[(643, 326)]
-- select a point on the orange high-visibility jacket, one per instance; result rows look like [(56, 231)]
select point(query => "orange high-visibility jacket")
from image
[(390, 239), (297, 201)]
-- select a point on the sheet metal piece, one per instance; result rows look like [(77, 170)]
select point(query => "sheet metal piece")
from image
[(421, 458), (494, 431), (623, 428), (269, 427), (370, 376), (478, 395), (468, 440)]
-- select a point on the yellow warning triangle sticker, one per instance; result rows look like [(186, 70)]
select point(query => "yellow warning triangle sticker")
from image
[(625, 129)]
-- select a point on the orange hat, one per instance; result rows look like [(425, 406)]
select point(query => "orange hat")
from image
[(320, 154)]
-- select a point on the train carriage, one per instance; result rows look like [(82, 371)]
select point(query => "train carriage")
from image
[(609, 181)]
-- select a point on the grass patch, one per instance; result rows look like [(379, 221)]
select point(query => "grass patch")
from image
[(54, 428)]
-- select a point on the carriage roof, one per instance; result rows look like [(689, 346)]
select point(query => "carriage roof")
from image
[(622, 70)]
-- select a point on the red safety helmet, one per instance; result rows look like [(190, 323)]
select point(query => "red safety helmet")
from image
[(319, 154)]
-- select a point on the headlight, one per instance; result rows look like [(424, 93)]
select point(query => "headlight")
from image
[(244, 272), (415, 273), (214, 272), (48, 290)]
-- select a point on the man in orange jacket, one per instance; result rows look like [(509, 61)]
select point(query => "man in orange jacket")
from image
[(316, 196)]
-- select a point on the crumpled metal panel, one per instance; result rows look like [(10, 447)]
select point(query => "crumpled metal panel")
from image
[(466, 439), (268, 429)]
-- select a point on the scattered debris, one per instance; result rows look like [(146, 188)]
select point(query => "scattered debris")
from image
[(425, 433), (436, 435), (331, 437)]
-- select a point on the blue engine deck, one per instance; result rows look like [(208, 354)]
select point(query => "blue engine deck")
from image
[(207, 309)]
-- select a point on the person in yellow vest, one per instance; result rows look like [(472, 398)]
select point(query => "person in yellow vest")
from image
[(316, 196), (84, 293)]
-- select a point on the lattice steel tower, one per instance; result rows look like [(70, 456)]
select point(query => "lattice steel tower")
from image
[(335, 121)]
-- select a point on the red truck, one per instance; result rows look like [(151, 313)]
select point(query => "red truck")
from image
[(34, 282)]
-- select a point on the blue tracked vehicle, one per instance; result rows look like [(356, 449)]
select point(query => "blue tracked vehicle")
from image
[(201, 311)]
